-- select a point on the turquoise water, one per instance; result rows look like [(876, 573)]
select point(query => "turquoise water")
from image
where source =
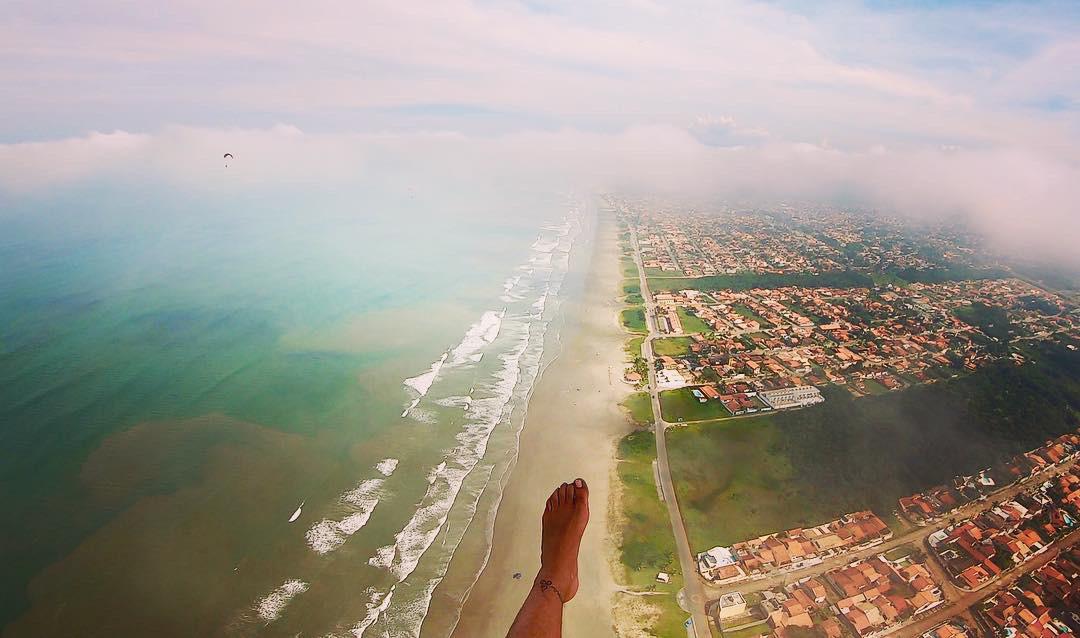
[(179, 370)]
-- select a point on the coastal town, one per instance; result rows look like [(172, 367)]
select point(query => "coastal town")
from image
[(747, 314)]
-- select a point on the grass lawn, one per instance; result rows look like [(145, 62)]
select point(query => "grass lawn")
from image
[(633, 319), (887, 278), (639, 406), (733, 485), (682, 405), (750, 314), (691, 324), (633, 347), (897, 553), (875, 388), (631, 287), (646, 545), (634, 299), (673, 347), (660, 272), (629, 268)]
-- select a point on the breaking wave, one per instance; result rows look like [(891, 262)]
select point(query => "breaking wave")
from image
[(376, 605), (479, 335), (386, 467), (327, 535), (270, 607)]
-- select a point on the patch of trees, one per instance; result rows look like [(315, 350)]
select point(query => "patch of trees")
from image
[(868, 452)]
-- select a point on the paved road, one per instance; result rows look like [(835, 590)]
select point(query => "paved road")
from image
[(692, 584), (967, 599)]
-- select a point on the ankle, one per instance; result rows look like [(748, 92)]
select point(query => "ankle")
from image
[(552, 583)]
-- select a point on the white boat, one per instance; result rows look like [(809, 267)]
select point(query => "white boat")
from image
[(296, 514)]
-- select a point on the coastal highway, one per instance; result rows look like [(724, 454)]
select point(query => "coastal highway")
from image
[(692, 586)]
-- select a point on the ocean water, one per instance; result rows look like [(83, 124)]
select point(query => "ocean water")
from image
[(263, 411)]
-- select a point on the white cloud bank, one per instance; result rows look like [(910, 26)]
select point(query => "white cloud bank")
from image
[(1023, 200)]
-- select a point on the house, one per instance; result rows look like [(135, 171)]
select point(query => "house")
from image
[(730, 606)]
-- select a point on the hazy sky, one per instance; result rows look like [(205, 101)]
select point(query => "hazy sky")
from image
[(930, 106)]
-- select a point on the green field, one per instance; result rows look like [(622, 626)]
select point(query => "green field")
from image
[(631, 287), (733, 483), (888, 278), (672, 347), (634, 299), (750, 314), (633, 319), (660, 272), (645, 543), (629, 268), (992, 320), (692, 324), (682, 405), (743, 477), (874, 387), (633, 347), (746, 281), (639, 406), (947, 273)]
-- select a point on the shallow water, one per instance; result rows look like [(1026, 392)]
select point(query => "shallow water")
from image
[(179, 371)]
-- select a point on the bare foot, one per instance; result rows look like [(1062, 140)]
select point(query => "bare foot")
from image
[(565, 517)]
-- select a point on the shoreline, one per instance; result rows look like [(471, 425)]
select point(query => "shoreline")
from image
[(572, 413)]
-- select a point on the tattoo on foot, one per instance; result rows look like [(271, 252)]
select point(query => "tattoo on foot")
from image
[(546, 585)]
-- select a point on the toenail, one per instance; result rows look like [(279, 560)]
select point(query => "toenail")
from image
[(578, 483)]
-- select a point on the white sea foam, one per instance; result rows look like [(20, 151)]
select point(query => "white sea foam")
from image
[(538, 305), (327, 535), (422, 382), (542, 246), (435, 472), (384, 557), (509, 284), (376, 605), (386, 467), (541, 259), (406, 411), (270, 607), (447, 482), (479, 335), (562, 229), (456, 401), (484, 414), (420, 415)]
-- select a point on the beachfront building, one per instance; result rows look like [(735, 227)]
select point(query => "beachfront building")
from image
[(720, 565), (670, 379), (797, 397)]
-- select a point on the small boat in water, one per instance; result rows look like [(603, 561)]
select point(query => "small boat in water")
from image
[(296, 514)]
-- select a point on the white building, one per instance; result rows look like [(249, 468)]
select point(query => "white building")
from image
[(797, 397), (731, 605), (670, 379)]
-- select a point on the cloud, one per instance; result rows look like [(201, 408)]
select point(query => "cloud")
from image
[(844, 72), (932, 110), (1021, 200)]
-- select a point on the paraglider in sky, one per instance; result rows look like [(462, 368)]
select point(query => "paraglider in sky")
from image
[(228, 156)]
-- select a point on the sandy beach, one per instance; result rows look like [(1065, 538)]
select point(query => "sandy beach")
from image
[(571, 429)]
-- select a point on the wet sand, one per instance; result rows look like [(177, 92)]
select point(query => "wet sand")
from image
[(571, 429)]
